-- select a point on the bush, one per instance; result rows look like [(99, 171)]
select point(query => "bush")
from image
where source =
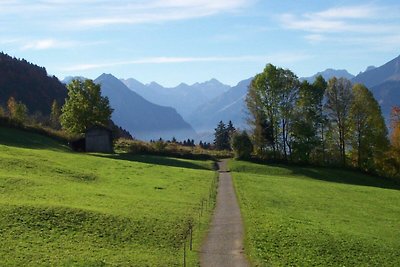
[(242, 145)]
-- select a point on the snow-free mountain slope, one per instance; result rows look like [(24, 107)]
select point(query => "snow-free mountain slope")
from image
[(184, 98), (143, 119)]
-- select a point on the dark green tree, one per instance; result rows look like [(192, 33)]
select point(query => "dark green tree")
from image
[(307, 127), (321, 119), (84, 107), (230, 129), (242, 145), (221, 137)]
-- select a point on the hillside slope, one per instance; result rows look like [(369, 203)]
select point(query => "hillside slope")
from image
[(59, 208), (30, 84), (317, 217)]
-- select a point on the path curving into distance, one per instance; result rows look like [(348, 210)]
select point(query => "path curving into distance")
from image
[(224, 243)]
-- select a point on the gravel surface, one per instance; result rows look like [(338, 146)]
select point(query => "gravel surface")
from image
[(224, 242)]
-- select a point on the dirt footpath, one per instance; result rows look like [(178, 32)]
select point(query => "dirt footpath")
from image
[(224, 242)]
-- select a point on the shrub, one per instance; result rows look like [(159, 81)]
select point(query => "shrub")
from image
[(242, 145)]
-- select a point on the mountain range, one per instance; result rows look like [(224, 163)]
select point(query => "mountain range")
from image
[(384, 83), (150, 111), (184, 98), (329, 73), (203, 112)]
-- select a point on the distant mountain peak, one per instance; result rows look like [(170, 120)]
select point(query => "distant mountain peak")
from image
[(69, 79), (330, 73), (182, 84), (389, 71), (213, 80), (370, 68), (106, 76), (154, 84)]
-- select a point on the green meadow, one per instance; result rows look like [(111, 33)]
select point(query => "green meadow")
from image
[(317, 217), (59, 208)]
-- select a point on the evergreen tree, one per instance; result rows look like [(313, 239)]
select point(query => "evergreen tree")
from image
[(221, 137), (84, 107), (230, 129)]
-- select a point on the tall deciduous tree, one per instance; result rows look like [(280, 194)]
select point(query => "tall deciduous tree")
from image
[(262, 130), (338, 102), (395, 125), (321, 119), (84, 107), (393, 156), (17, 110), (55, 115), (308, 128), (270, 99), (368, 129)]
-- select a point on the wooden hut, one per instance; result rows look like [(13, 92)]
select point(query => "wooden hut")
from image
[(98, 139)]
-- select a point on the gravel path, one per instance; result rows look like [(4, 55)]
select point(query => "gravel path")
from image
[(224, 243)]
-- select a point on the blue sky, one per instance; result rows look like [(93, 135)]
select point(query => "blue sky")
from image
[(173, 41)]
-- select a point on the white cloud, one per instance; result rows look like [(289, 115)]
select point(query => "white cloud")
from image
[(348, 12), (357, 19), (90, 13), (278, 58), (376, 26), (40, 45), (315, 38)]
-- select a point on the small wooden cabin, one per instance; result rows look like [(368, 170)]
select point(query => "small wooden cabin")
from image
[(99, 139)]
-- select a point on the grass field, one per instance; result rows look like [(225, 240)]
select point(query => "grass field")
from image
[(317, 217), (59, 208)]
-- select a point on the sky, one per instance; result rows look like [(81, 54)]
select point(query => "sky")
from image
[(174, 41)]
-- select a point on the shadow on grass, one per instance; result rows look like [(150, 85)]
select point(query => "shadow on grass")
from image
[(27, 139), (345, 177), (157, 160), (334, 175)]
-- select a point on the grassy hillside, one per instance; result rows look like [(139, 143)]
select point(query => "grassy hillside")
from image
[(306, 216), (61, 208)]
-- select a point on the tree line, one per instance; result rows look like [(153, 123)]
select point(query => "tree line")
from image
[(324, 123)]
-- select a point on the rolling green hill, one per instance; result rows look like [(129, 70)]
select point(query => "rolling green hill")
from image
[(59, 208), (317, 217)]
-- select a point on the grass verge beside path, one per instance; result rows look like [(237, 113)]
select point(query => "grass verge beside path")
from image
[(308, 216), (59, 208)]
